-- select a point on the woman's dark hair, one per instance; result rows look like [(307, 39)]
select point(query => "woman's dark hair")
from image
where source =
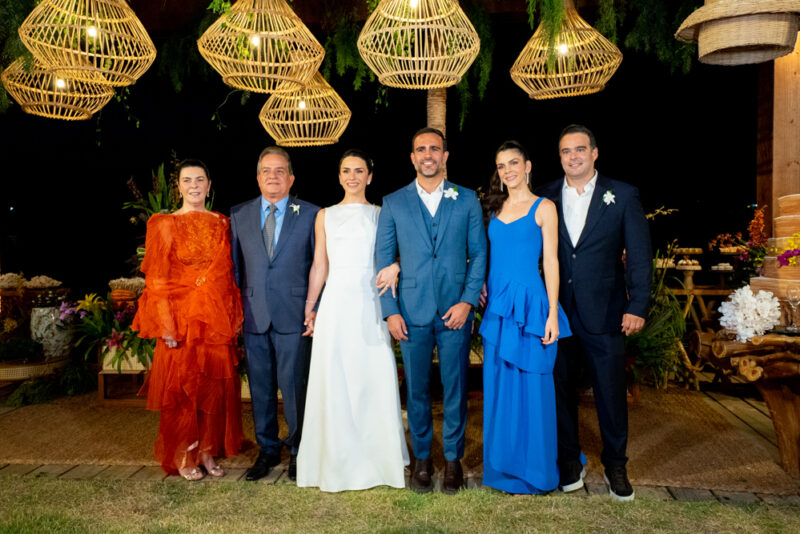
[(357, 153), (494, 196), (193, 163)]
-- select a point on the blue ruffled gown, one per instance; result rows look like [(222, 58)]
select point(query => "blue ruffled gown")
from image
[(519, 412)]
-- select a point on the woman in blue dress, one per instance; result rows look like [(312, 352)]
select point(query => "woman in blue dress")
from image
[(520, 329)]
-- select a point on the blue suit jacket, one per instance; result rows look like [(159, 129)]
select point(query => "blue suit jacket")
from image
[(433, 277), (592, 271), (273, 292)]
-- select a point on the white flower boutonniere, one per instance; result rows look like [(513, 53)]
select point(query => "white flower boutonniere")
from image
[(451, 192), (295, 208), (608, 197)]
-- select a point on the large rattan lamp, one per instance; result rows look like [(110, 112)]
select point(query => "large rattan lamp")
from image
[(313, 116), (737, 32), (262, 46), (86, 37), (41, 92), (584, 60), (418, 44)]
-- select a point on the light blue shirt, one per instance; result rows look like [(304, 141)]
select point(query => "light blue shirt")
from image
[(281, 211)]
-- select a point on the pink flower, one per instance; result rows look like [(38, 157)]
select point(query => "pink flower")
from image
[(116, 339)]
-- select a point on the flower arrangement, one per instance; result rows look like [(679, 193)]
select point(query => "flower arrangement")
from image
[(788, 255), (750, 253), (102, 328), (750, 315)]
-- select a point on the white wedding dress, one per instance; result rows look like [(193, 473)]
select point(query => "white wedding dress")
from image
[(353, 434)]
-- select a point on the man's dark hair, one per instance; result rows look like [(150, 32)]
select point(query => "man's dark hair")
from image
[(357, 153), (578, 128), (193, 163), (274, 150), (429, 131)]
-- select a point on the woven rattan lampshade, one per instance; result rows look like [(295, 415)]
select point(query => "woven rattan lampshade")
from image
[(313, 116), (262, 46), (41, 92), (85, 37), (738, 32), (418, 44), (585, 60)]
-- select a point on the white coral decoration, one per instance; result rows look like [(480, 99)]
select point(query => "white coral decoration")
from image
[(750, 315)]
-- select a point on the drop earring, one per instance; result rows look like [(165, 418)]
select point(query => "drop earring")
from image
[(501, 186), (527, 177)]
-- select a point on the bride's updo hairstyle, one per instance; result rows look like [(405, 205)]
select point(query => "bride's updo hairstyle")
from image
[(357, 153), (494, 197)]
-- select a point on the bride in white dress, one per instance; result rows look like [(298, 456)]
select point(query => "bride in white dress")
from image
[(353, 434)]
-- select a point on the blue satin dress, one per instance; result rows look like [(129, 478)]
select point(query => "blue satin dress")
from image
[(519, 414)]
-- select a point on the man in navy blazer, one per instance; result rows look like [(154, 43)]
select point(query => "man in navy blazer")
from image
[(437, 230), (600, 220), (273, 247)]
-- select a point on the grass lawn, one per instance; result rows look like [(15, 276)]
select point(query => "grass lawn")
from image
[(31, 505)]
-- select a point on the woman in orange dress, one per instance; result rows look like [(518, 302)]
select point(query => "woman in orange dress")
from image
[(192, 307)]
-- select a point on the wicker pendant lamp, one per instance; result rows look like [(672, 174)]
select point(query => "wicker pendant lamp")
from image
[(313, 116), (738, 32), (262, 46), (86, 37), (418, 44), (44, 93), (584, 62)]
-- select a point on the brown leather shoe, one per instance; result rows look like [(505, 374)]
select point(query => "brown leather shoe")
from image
[(453, 477), (421, 479)]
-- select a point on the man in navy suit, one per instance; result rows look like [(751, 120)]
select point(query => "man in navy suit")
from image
[(437, 230), (273, 247), (605, 300)]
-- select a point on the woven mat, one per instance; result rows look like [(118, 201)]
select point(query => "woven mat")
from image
[(677, 438)]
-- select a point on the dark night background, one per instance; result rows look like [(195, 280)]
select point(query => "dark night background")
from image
[(687, 141)]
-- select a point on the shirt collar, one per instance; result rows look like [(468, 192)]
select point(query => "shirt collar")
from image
[(588, 188), (439, 189), (281, 204)]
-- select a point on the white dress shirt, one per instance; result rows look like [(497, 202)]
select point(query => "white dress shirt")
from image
[(431, 200), (576, 207)]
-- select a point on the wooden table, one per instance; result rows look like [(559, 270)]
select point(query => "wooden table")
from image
[(772, 363)]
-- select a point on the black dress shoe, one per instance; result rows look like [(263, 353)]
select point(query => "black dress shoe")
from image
[(453, 477), (618, 484), (421, 478), (570, 476), (293, 467), (262, 466)]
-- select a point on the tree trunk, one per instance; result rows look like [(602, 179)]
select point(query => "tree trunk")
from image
[(437, 109)]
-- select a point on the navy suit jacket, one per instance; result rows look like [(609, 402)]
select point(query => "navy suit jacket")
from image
[(273, 292), (433, 277), (592, 273)]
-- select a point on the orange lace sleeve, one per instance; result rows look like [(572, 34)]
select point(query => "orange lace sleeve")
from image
[(154, 317)]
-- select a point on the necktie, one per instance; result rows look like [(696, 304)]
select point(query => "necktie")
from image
[(269, 230)]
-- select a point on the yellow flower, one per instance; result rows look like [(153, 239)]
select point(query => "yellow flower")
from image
[(91, 302)]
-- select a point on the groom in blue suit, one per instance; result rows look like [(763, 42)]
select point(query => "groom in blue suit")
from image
[(436, 229), (605, 297), (273, 247)]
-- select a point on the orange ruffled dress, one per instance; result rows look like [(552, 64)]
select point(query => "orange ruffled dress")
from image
[(190, 294)]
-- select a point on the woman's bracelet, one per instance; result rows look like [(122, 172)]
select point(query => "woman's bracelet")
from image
[(554, 306), (312, 301)]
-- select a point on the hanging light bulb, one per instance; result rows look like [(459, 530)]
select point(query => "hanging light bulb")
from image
[(302, 104), (413, 4), (91, 31), (562, 49), (60, 83), (255, 40)]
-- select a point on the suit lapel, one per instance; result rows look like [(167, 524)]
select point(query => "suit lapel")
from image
[(415, 209), (446, 209), (253, 216), (555, 196), (596, 209), (289, 220)]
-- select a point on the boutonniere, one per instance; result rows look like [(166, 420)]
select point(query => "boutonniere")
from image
[(295, 208), (608, 197), (451, 192)]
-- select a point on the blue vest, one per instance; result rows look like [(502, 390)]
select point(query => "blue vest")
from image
[(431, 223)]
